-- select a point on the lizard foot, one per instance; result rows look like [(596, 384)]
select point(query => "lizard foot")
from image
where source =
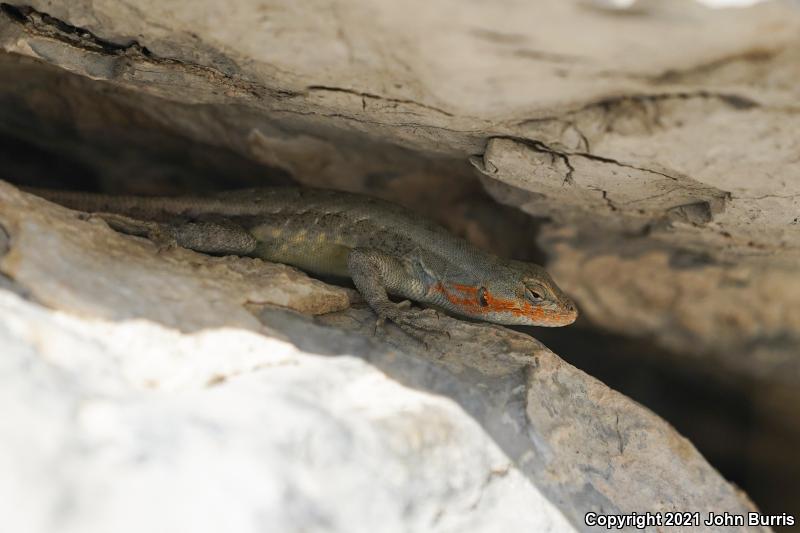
[(383, 317), (415, 323)]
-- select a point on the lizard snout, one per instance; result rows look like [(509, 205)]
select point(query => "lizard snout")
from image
[(571, 312)]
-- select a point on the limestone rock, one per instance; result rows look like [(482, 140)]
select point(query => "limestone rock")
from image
[(654, 144), (130, 426), (120, 421)]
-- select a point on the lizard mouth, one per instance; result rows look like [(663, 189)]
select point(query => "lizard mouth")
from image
[(544, 317), (556, 318)]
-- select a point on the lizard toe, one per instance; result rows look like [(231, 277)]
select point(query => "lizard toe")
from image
[(405, 304)]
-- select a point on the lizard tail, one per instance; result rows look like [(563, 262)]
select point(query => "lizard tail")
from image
[(126, 205)]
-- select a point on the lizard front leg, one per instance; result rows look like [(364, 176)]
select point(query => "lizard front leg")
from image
[(375, 274), (219, 237)]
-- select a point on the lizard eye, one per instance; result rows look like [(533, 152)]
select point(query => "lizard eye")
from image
[(534, 295), (482, 297)]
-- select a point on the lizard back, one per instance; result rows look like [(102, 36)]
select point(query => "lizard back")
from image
[(315, 230), (312, 229)]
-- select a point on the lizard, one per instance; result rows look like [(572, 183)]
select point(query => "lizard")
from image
[(385, 249)]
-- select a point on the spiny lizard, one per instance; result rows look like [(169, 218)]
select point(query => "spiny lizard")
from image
[(384, 248)]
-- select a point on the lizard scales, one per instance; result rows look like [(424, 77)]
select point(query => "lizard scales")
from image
[(382, 247)]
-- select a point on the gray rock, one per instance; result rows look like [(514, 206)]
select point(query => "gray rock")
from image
[(151, 413), (666, 122), (659, 142)]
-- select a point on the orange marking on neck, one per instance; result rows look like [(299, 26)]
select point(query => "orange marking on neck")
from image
[(467, 297), (465, 289)]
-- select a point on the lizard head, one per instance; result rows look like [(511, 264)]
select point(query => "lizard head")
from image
[(517, 293)]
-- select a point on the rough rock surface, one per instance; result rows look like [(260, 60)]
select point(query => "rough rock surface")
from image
[(658, 141), (742, 314), (142, 426), (131, 426), (668, 122)]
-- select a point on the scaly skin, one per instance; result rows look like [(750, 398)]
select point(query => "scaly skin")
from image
[(383, 248)]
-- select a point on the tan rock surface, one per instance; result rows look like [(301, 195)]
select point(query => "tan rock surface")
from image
[(659, 142)]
